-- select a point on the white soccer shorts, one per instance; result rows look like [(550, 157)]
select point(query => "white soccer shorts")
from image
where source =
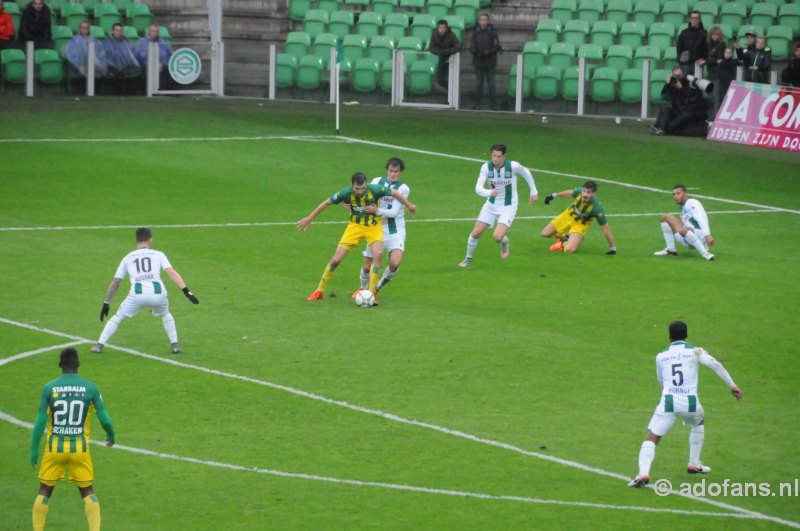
[(701, 235), (133, 304), (501, 214), (662, 421), (390, 243)]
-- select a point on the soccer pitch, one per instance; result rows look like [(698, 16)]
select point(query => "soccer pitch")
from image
[(513, 394)]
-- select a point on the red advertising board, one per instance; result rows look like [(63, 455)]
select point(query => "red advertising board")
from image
[(759, 115)]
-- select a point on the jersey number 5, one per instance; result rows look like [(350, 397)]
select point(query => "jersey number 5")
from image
[(677, 382)]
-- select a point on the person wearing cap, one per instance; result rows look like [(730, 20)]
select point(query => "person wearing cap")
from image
[(748, 48), (758, 63)]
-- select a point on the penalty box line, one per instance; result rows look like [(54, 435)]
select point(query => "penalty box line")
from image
[(390, 486), (401, 420)]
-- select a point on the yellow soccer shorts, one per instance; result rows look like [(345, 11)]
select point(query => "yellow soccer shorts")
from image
[(56, 465), (566, 224), (354, 233)]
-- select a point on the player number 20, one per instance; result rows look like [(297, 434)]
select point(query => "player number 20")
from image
[(67, 412)]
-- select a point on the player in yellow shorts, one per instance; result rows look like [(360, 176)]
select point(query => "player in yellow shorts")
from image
[(64, 410), (570, 227), (365, 224)]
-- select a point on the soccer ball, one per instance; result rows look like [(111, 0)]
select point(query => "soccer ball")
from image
[(365, 298)]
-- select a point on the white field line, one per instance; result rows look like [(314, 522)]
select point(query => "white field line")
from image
[(292, 223), (402, 420), (392, 486), (306, 138), (38, 351)]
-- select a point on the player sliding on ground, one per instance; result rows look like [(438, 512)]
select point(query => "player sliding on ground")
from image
[(677, 373), (570, 227), (365, 224), (691, 230)]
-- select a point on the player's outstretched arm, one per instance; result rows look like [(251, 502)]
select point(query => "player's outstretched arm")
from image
[(564, 193), (108, 426), (737, 393), (304, 223), (178, 280), (38, 429), (400, 197), (112, 290), (612, 245)]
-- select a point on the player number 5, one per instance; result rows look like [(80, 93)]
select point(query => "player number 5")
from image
[(677, 382)]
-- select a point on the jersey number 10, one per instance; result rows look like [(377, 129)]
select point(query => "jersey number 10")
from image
[(143, 265)]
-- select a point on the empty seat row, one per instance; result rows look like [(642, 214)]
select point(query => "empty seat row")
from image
[(49, 67), (465, 8), (618, 56), (371, 24)]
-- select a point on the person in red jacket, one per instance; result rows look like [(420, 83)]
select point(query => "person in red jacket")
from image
[(6, 27)]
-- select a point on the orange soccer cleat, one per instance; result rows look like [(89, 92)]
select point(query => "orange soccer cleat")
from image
[(317, 295), (353, 296), (558, 246), (375, 300)]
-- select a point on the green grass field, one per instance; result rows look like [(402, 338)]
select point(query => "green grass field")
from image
[(511, 395)]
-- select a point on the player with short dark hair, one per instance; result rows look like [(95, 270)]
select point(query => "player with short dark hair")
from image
[(570, 227), (64, 409), (692, 230)]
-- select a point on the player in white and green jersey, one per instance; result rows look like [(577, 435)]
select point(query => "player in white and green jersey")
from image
[(64, 409), (394, 225), (677, 370), (501, 200), (692, 230), (143, 266)]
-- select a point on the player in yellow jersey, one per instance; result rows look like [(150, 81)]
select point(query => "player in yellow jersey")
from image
[(64, 409), (365, 224), (570, 227)]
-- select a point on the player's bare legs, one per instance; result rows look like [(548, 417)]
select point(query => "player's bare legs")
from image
[(472, 241), (500, 237), (573, 242)]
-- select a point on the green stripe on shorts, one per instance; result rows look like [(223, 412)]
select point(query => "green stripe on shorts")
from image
[(668, 406), (692, 404)]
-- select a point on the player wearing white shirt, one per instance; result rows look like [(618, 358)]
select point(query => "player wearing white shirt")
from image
[(394, 225), (691, 230), (501, 200), (143, 266), (677, 372)]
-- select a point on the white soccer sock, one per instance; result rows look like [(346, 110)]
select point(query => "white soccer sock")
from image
[(695, 242), (109, 329), (669, 237), (696, 438), (364, 278), (646, 456), (386, 277), (472, 244), (169, 327)]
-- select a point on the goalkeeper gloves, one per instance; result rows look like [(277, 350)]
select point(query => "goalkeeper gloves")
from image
[(549, 198), (611, 250), (104, 312), (190, 296)]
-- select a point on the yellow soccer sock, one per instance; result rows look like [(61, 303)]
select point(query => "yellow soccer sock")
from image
[(40, 509), (374, 277), (326, 277), (92, 508)]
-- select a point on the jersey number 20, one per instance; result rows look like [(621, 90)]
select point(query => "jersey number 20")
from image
[(67, 412)]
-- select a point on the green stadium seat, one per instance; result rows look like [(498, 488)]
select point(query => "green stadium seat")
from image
[(329, 5), (733, 14), (546, 82), (670, 57), (384, 7), (309, 72), (49, 67), (285, 70), (657, 80), (486, 4), (298, 44), (139, 16), (14, 65), (727, 31), (89, 5), (468, 10), (364, 77), (777, 3), (563, 10), (341, 23), (662, 35), (646, 11), (322, 47), (164, 33), (439, 8), (534, 55), (396, 25), (779, 38), (630, 86), (763, 15), (122, 5), (643, 53), (315, 22), (385, 79), (576, 32), (98, 33), (789, 16), (619, 11), (73, 14), (512, 84), (747, 28), (562, 55), (106, 15), (412, 5), (604, 85), (54, 5), (748, 4), (548, 30), (619, 57), (298, 10), (61, 37), (411, 48), (593, 53), (456, 24), (570, 84), (369, 24), (590, 10), (420, 78), (604, 33), (381, 48), (675, 12), (632, 34), (708, 12), (357, 5), (354, 47), (422, 26), (130, 33)]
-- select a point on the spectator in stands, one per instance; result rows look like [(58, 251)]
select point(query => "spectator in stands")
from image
[(120, 58), (485, 47), (727, 71), (687, 106), (444, 43), (78, 52), (758, 63), (715, 53), (791, 75), (164, 49), (749, 47), (691, 44), (6, 28), (34, 25)]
